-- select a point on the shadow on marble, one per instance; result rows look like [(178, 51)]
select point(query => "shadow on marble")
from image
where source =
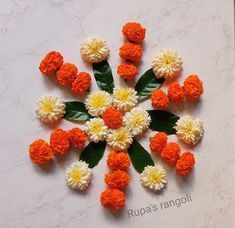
[(51, 126), (80, 193), (185, 184), (113, 214), (48, 168), (186, 107), (66, 160)]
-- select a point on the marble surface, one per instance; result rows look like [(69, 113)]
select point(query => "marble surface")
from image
[(201, 31)]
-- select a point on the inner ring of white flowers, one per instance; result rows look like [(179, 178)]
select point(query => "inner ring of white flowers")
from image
[(134, 122)]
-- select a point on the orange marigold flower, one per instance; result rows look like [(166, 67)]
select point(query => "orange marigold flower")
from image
[(159, 99), (40, 152), (171, 152), (81, 83), (113, 199), (193, 87), (76, 137), (59, 142), (66, 74), (158, 142), (118, 160), (133, 31), (51, 62), (112, 118), (117, 179), (185, 164), (127, 70), (175, 92), (131, 51)]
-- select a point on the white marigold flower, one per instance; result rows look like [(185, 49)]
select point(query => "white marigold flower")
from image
[(154, 177), (96, 130), (78, 175), (119, 139), (189, 129), (167, 64), (97, 102), (136, 121), (50, 109), (94, 50), (124, 98)]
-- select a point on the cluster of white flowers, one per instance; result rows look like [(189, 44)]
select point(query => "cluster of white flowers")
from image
[(78, 176), (50, 109), (189, 129), (135, 120), (167, 64)]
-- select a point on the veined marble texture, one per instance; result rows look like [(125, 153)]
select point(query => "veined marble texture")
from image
[(201, 31)]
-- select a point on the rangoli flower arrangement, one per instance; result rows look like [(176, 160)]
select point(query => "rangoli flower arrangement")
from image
[(113, 117)]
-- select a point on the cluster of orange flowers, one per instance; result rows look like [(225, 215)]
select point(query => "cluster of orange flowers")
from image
[(117, 180), (170, 152), (41, 152), (131, 50), (191, 89), (66, 73)]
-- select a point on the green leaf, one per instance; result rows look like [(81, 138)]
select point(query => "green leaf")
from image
[(75, 110), (103, 76), (147, 84), (140, 158), (163, 121), (92, 153)]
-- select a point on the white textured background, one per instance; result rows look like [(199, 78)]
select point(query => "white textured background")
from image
[(201, 31)]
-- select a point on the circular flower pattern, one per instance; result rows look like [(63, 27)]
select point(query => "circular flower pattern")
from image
[(94, 50), (189, 129), (97, 102), (167, 64), (40, 152), (50, 109), (154, 177), (114, 117), (78, 176)]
